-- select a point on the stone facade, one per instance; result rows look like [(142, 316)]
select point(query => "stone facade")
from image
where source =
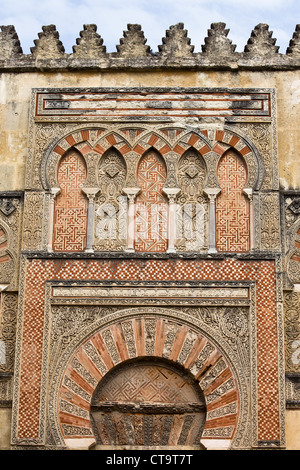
[(150, 236)]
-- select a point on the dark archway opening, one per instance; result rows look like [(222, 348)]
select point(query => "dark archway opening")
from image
[(148, 402)]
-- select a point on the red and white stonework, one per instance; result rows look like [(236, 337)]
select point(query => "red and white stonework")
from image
[(130, 333)]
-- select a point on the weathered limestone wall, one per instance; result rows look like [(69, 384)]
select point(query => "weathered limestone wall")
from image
[(5, 428), (16, 92), (176, 64)]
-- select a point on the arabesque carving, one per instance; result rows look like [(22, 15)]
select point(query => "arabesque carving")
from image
[(192, 208), (111, 204)]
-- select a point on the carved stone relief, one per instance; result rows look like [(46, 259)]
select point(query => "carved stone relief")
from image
[(232, 205), (215, 320), (10, 220), (35, 215), (152, 399), (70, 209), (270, 222), (151, 215), (132, 142), (292, 391), (192, 209), (111, 204), (260, 134), (291, 235), (292, 331), (8, 318)]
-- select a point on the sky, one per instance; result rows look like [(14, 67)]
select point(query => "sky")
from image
[(154, 16)]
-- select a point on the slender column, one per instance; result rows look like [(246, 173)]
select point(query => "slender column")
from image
[(171, 193), (54, 192), (90, 193), (212, 194), (131, 194), (249, 193)]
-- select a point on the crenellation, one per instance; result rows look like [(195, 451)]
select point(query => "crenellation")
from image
[(176, 51), (90, 43), (9, 42), (176, 43), (261, 41), (48, 46), (217, 43), (294, 46), (133, 44)]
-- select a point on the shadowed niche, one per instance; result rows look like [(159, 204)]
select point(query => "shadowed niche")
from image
[(148, 402)]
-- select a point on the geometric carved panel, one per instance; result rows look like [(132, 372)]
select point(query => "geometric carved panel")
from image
[(40, 271), (232, 206), (147, 403), (151, 226), (70, 214)]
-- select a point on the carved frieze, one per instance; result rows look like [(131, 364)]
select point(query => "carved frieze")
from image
[(292, 331), (8, 320), (291, 237), (270, 222), (11, 209)]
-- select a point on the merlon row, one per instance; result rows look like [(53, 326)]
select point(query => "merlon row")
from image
[(175, 45)]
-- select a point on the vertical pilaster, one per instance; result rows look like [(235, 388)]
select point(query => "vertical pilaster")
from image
[(249, 194), (53, 194)]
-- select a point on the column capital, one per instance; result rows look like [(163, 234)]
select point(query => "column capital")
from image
[(54, 192), (90, 192), (171, 193), (131, 193), (248, 192), (212, 193)]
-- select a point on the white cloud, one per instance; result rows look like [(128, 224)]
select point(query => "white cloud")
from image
[(155, 16)]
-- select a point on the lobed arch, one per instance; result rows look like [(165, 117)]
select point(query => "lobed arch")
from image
[(150, 334), (70, 213), (97, 141), (169, 141), (232, 205), (151, 204), (90, 142), (213, 143)]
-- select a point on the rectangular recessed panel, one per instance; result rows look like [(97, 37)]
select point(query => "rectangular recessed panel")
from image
[(141, 292), (124, 104)]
